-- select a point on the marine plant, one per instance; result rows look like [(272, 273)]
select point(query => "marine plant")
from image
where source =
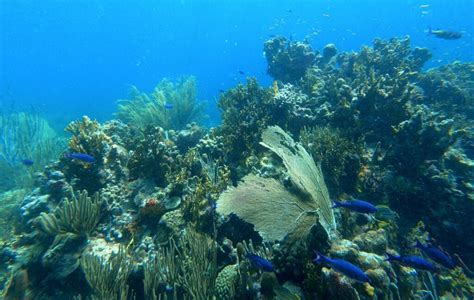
[(171, 105), (108, 278), (25, 136), (79, 216), (264, 201), (188, 265)]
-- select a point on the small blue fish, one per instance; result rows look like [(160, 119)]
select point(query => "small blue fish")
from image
[(168, 105), (260, 262), (413, 261), (436, 255), (357, 206), (343, 267), (81, 156), (27, 162)]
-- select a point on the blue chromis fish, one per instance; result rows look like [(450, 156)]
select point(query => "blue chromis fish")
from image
[(343, 267), (27, 162), (413, 261), (357, 206), (436, 254), (260, 262), (81, 156), (168, 105)]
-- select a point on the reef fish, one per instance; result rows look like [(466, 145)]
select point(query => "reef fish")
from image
[(81, 156), (342, 266), (413, 261), (27, 162), (260, 262), (357, 206), (436, 255), (168, 105), (446, 34)]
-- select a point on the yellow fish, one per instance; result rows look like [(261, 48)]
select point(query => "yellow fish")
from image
[(275, 87)]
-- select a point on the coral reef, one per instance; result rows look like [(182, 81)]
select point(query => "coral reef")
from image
[(288, 61), (181, 212)]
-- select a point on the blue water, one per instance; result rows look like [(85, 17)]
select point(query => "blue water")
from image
[(71, 58)]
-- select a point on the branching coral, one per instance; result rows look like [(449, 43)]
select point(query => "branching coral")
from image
[(189, 265), (108, 279), (450, 87), (89, 138), (340, 157), (78, 216), (170, 105), (151, 155), (245, 114)]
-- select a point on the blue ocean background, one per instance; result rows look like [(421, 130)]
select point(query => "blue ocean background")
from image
[(72, 58)]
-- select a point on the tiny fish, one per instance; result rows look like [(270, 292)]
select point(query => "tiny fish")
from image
[(241, 72), (357, 206), (260, 262), (81, 156), (168, 105), (413, 261), (436, 255), (342, 266), (445, 34), (221, 91), (27, 162), (424, 6)]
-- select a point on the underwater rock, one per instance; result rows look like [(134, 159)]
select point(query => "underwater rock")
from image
[(62, 257), (173, 222), (172, 202), (374, 241), (189, 137), (344, 249), (337, 286), (32, 206), (329, 51)]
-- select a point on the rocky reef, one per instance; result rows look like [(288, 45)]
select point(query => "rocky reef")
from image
[(163, 208)]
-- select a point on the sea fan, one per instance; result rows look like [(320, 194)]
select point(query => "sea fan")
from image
[(274, 210)]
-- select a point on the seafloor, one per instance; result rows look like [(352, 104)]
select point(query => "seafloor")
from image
[(153, 205)]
